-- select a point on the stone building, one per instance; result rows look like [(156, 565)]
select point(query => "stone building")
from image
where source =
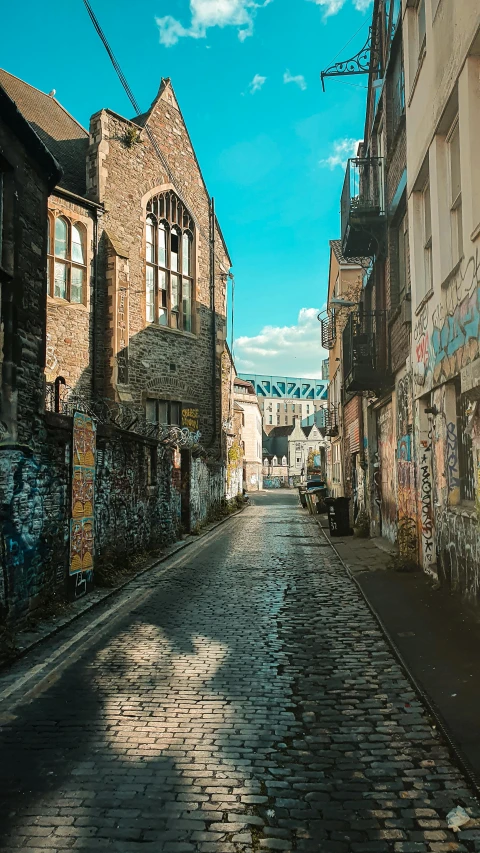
[(233, 420), (292, 454), (29, 489), (245, 397), (306, 453), (343, 421), (135, 289), (442, 73)]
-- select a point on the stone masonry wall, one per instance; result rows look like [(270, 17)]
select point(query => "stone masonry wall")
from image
[(70, 325), (162, 362)]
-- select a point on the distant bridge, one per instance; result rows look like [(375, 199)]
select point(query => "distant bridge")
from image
[(287, 387)]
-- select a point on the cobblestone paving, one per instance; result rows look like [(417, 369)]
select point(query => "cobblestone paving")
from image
[(250, 704)]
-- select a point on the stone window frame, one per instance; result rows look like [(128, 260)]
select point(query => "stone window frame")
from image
[(169, 407), (168, 214), (68, 261)]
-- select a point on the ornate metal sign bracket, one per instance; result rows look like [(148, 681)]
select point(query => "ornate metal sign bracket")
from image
[(358, 64)]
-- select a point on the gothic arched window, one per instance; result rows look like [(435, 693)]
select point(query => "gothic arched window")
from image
[(170, 262)]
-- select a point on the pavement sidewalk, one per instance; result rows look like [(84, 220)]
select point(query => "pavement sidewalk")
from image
[(435, 631)]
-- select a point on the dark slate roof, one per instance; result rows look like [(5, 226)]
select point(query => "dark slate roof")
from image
[(336, 246), (64, 137), (242, 383), (279, 431), (42, 157)]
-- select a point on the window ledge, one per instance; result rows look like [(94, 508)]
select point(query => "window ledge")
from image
[(171, 331), (64, 303), (421, 60), (452, 273), (424, 301)]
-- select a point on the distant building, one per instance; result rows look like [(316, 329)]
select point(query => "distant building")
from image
[(294, 452), (245, 397), (283, 400)]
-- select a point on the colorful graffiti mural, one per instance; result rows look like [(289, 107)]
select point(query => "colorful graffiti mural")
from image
[(83, 489), (446, 339)]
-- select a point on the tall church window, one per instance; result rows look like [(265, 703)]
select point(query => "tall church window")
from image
[(169, 255), (67, 264)]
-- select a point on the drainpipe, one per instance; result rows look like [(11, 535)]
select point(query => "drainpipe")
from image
[(214, 325)]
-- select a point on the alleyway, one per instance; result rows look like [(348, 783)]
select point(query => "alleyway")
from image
[(240, 699)]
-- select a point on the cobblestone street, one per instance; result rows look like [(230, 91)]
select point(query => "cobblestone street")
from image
[(246, 701)]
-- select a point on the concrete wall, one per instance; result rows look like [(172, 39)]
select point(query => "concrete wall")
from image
[(252, 440), (443, 86)]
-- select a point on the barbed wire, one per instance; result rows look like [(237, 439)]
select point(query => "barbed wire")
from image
[(65, 400)]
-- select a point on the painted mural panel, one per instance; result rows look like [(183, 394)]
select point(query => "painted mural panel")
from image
[(83, 491), (386, 459)]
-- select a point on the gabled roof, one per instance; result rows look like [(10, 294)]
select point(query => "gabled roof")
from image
[(12, 118), (336, 247), (307, 429), (166, 93), (63, 136)]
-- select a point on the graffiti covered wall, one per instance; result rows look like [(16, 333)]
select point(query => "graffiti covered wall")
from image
[(446, 331), (386, 461), (407, 536), (207, 490), (83, 502), (35, 487)]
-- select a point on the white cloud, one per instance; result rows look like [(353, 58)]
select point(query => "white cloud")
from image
[(342, 150), (333, 6), (257, 83), (284, 350), (211, 13), (299, 79)]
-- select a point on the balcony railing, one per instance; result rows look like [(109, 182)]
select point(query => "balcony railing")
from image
[(329, 332), (363, 213), (364, 352)]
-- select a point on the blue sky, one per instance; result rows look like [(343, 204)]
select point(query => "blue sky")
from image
[(271, 144)]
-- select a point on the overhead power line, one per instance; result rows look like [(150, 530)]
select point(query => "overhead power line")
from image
[(125, 84)]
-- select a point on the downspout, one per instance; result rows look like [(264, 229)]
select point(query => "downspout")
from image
[(213, 322)]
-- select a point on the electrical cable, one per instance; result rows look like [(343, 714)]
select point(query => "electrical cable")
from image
[(135, 105), (213, 220)]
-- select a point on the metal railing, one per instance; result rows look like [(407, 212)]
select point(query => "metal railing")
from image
[(329, 332), (364, 351), (363, 194)]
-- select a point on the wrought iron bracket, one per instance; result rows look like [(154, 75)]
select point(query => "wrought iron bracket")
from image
[(358, 64)]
